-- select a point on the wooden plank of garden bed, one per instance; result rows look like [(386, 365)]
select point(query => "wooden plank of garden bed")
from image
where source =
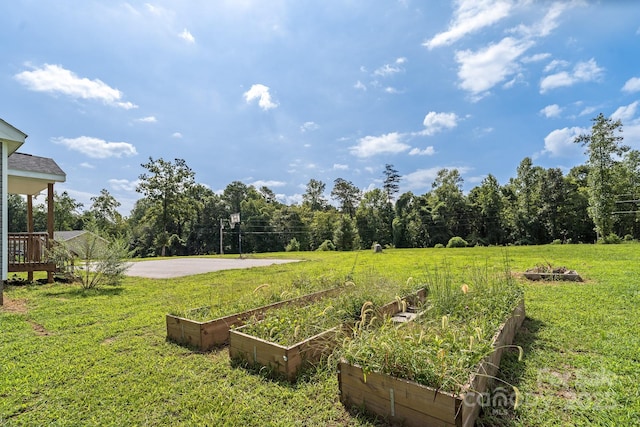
[(489, 366), (289, 360), (212, 333), (401, 401), (285, 360), (424, 405)]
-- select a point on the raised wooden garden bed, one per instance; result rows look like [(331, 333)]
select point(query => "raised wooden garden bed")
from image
[(408, 403), (213, 333), (289, 360), (560, 273)]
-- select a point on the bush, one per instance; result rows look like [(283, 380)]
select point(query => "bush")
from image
[(102, 262), (628, 238), (438, 246), (457, 242), (293, 246), (612, 239), (327, 245), (556, 242)]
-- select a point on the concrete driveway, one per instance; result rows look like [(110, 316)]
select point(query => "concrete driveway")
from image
[(169, 268)]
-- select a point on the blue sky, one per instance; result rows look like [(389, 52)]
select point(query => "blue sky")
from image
[(278, 92)]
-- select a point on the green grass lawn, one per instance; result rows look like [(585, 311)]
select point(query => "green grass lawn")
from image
[(100, 357)]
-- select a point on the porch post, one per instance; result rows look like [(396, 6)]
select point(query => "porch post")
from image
[(30, 249), (50, 223)]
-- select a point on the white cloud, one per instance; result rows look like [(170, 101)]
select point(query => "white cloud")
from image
[(55, 79), (261, 93), (260, 183), (552, 110), (360, 86), (389, 70), (372, 145), (587, 110), (555, 65), (341, 167), (559, 143), (401, 60), (187, 36), (391, 90), (97, 148), (429, 151), (535, 58), (437, 122), (582, 72), (177, 135), (549, 22), (632, 85), (155, 10), (309, 126), (149, 119), (625, 113), (123, 184), (87, 165), (470, 16), (480, 71)]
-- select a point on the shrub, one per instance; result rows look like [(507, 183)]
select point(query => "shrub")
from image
[(612, 239), (556, 242), (293, 246), (628, 238), (327, 245), (438, 246), (457, 242), (102, 262)]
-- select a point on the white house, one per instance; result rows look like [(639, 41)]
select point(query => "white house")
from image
[(27, 175)]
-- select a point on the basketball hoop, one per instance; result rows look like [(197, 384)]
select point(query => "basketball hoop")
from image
[(235, 219)]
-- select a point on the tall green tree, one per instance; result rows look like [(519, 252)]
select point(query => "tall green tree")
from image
[(487, 204), (17, 213), (66, 211), (347, 194), (391, 183), (604, 148), (105, 211), (449, 206), (373, 218), (577, 226), (167, 184), (314, 197), (525, 199)]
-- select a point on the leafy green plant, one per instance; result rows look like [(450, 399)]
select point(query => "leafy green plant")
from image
[(293, 245), (444, 346), (94, 262), (457, 242), (327, 245), (357, 306), (612, 239)]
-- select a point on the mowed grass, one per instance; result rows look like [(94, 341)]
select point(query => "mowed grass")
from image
[(101, 357)]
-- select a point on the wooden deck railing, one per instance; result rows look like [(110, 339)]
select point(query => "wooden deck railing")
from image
[(28, 252)]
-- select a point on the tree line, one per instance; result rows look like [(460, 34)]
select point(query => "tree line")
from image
[(177, 216)]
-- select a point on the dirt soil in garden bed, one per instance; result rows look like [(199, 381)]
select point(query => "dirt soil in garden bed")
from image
[(548, 272)]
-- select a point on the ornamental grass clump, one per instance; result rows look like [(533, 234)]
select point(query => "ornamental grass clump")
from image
[(356, 307), (446, 344), (261, 295)]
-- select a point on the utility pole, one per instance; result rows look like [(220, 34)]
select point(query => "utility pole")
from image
[(221, 237)]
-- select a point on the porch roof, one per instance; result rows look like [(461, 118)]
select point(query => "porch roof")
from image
[(13, 136), (28, 174)]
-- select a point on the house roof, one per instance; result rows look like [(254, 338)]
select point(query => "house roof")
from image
[(28, 174), (13, 136), (63, 236)]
